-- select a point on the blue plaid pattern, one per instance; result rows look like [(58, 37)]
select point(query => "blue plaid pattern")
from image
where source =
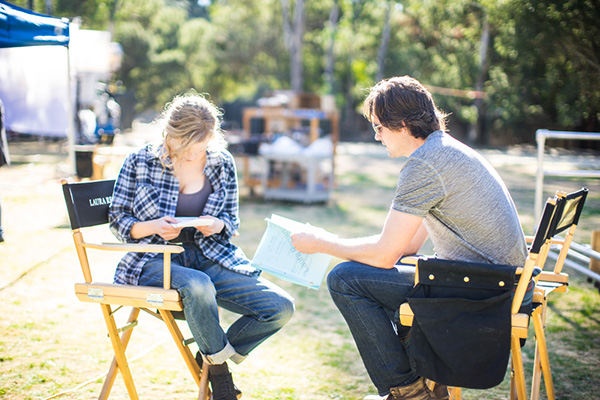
[(144, 190)]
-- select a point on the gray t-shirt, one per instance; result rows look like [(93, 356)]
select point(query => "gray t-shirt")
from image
[(467, 210)]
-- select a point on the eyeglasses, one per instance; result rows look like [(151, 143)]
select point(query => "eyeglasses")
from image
[(377, 128)]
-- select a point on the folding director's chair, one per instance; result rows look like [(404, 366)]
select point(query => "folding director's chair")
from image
[(565, 210), (87, 205), (476, 306)]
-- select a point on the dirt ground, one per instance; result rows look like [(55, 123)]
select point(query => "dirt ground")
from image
[(51, 342)]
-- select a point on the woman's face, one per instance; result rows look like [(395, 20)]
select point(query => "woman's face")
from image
[(196, 150)]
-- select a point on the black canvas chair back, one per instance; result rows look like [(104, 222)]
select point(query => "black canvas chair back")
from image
[(88, 202), (543, 231), (569, 209)]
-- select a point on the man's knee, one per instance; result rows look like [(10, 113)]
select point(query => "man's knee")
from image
[(338, 277)]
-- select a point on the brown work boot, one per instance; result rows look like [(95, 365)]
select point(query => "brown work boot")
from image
[(440, 391), (414, 391)]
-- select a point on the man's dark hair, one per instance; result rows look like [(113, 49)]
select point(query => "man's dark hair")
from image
[(402, 101)]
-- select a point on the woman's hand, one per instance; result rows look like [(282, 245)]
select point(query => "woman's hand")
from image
[(215, 227), (165, 230), (161, 227)]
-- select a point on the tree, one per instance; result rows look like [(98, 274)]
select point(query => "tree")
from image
[(293, 34)]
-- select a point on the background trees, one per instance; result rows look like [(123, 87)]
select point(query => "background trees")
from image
[(503, 69)]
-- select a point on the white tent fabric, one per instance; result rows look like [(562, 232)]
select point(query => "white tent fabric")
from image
[(34, 89), (34, 81)]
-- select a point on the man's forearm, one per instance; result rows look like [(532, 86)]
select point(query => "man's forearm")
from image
[(367, 250)]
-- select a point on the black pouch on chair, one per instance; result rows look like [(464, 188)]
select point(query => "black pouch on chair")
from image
[(462, 322)]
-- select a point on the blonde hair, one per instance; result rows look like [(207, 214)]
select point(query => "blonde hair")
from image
[(189, 118)]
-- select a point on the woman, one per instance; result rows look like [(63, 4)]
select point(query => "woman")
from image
[(191, 174)]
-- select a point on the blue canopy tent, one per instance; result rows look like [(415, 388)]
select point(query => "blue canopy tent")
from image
[(20, 27)]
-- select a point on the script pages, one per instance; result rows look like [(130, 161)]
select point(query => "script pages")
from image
[(184, 222), (276, 255)]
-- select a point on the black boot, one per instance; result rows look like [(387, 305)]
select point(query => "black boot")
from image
[(221, 384)]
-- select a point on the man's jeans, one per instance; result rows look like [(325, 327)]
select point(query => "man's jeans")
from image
[(368, 298), (204, 286)]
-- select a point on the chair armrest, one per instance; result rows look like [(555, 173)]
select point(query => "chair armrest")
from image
[(406, 314), (412, 260), (520, 325), (135, 247), (546, 276), (143, 248)]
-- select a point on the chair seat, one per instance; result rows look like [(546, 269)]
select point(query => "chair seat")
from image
[(125, 295)]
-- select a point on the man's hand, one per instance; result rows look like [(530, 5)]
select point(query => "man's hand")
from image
[(305, 242)]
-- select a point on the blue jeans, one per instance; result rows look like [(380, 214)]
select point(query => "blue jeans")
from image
[(368, 298), (204, 286)]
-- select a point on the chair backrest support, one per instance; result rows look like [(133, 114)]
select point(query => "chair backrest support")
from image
[(539, 245), (87, 205), (88, 202)]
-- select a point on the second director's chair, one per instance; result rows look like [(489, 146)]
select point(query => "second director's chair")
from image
[(566, 211), (87, 205), (468, 319)]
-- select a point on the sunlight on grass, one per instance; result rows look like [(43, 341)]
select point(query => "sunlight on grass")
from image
[(51, 342)]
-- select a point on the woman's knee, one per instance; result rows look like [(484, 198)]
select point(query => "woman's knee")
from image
[(200, 288), (285, 310)]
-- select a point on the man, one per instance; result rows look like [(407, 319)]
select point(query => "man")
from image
[(447, 192)]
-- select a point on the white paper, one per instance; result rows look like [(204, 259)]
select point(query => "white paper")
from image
[(184, 222), (276, 255)]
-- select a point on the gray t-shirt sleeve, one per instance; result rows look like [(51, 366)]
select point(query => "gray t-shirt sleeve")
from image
[(419, 189)]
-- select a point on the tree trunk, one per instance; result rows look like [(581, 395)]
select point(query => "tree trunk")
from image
[(349, 119), (294, 38), (385, 39), (329, 64), (476, 135)]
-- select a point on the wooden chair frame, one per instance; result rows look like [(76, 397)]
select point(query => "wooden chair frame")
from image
[(140, 298), (565, 218)]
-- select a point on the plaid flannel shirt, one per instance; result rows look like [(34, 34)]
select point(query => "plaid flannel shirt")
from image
[(144, 190)]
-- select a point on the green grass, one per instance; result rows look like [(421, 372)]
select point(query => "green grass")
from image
[(51, 342)]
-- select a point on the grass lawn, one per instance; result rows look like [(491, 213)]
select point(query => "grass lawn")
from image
[(51, 343)]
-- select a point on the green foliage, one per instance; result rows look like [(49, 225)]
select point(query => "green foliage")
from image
[(549, 59), (542, 62)]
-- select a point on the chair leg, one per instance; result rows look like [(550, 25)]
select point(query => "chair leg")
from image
[(536, 378), (455, 393), (542, 361), (119, 350), (112, 372), (204, 393), (201, 377), (517, 368)]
